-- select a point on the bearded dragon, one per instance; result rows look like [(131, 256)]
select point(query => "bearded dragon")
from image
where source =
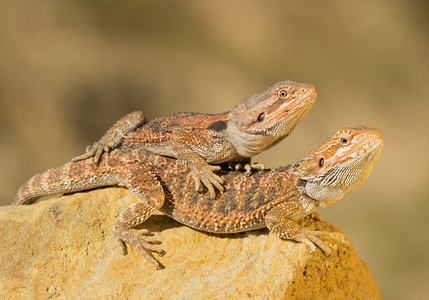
[(201, 140), (275, 198)]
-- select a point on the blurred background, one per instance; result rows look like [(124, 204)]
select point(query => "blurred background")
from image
[(70, 69)]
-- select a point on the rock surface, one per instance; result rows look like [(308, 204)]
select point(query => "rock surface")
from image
[(63, 248)]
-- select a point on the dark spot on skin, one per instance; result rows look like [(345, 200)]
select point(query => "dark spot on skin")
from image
[(218, 126)]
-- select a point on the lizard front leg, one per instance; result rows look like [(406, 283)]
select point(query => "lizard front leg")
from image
[(114, 136), (145, 185), (187, 147), (280, 220)]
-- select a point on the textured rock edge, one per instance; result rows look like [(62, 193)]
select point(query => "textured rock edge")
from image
[(52, 244)]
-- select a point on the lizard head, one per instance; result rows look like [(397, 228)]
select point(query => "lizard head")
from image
[(267, 117), (341, 164)]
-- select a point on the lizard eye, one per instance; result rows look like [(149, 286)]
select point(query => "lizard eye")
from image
[(282, 94), (261, 117), (344, 141), (321, 162)]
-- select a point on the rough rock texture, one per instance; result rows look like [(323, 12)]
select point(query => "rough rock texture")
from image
[(63, 248)]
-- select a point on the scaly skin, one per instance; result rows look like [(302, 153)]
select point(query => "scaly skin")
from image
[(201, 140), (274, 198)]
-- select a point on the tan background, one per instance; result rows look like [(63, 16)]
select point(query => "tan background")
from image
[(68, 70)]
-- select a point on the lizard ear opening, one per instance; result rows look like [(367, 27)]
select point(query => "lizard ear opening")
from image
[(321, 162), (261, 117)]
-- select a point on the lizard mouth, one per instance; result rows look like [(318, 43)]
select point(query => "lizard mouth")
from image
[(289, 113)]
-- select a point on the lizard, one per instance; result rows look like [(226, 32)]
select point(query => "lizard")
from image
[(273, 198), (201, 141)]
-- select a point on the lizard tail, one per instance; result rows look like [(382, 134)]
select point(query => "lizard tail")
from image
[(68, 178)]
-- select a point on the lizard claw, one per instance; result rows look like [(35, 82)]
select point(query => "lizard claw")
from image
[(101, 148), (113, 137), (209, 180), (316, 217), (96, 150), (254, 166), (249, 167), (89, 152), (310, 238), (140, 240)]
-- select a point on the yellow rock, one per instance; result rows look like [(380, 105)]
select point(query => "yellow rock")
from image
[(63, 247)]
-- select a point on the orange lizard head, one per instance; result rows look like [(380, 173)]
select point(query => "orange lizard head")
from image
[(341, 164), (267, 117)]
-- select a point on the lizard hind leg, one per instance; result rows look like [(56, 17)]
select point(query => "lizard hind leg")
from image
[(144, 184), (139, 239), (114, 136)]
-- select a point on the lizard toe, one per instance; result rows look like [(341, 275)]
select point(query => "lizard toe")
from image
[(197, 180), (207, 183), (90, 151), (249, 167), (146, 245), (98, 154), (209, 179), (213, 181), (254, 166), (310, 238), (215, 168)]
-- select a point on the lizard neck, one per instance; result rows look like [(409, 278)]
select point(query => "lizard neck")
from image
[(246, 144)]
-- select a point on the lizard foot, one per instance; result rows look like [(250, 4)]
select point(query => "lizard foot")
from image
[(95, 150), (310, 238), (209, 179), (113, 137), (315, 216), (140, 240), (249, 167)]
